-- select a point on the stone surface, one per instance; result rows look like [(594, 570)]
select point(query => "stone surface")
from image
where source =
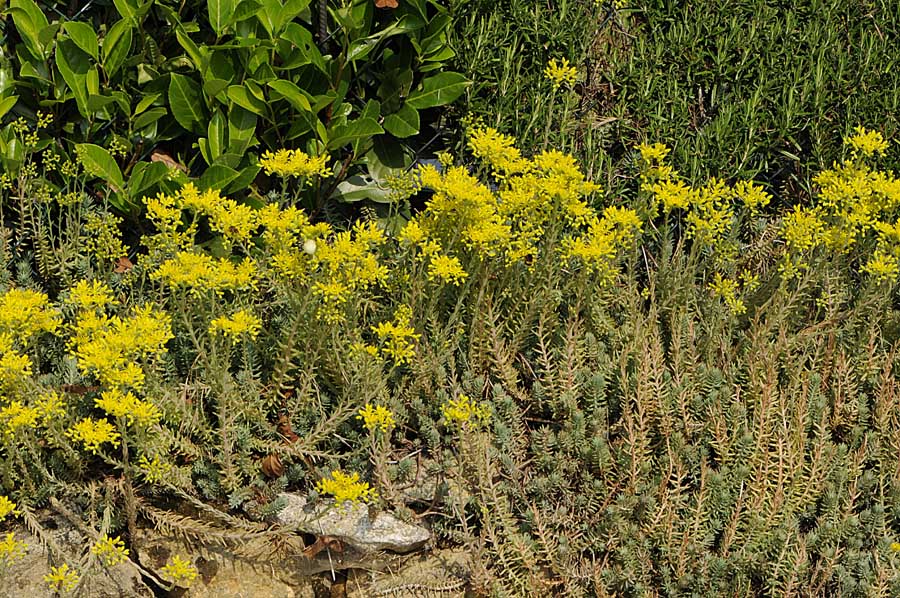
[(442, 573), (353, 525), (222, 573), (24, 577)]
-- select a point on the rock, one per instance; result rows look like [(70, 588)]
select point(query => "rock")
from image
[(223, 573), (443, 573), (25, 575), (352, 524)]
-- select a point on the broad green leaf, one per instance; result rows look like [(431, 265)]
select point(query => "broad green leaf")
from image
[(216, 134), (241, 130), (185, 101), (148, 117), (240, 96), (129, 9), (438, 90), (403, 123), (245, 178), (28, 29), (6, 104), (145, 103), (298, 98), (84, 37), (116, 46), (74, 66), (97, 102), (220, 13), (214, 88), (199, 56), (217, 177), (99, 163), (244, 10), (342, 134)]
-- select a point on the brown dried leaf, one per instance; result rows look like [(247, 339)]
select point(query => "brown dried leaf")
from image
[(160, 156)]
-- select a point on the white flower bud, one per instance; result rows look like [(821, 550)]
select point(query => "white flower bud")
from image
[(309, 246)]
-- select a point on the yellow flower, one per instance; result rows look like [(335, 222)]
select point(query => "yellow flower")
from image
[(102, 238), (14, 366), (751, 194), (12, 549), (155, 470), (727, 289), (24, 313), (16, 417), (7, 507), (111, 551), (560, 73), (883, 267), (92, 433), (376, 418), (465, 412), (180, 570), (397, 337), (446, 268), (294, 163), (497, 150), (62, 579), (241, 322), (653, 154), (803, 228), (119, 404), (346, 488), (87, 295), (867, 142), (199, 273)]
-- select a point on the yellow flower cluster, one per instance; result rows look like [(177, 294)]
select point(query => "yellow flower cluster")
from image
[(102, 237), (154, 470), (606, 235), (287, 163), (709, 209), (397, 338), (536, 196), (199, 273), (91, 295), (15, 367), (854, 202), (62, 579), (348, 263), (560, 72), (111, 551), (25, 313), (240, 323), (93, 432), (346, 488), (125, 405), (180, 570), (376, 418), (866, 142), (728, 290), (11, 548), (16, 417), (464, 412), (111, 346), (7, 507)]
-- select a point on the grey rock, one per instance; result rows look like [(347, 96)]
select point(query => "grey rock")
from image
[(25, 575), (352, 524)]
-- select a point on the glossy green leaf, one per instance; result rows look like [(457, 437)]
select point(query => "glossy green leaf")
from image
[(185, 101), (342, 134), (116, 46), (215, 133), (98, 162), (84, 37), (27, 17), (217, 177), (403, 123), (241, 130), (148, 117), (438, 90), (74, 66), (240, 96), (220, 13), (297, 97), (6, 104)]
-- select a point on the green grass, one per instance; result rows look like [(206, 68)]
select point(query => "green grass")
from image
[(744, 89)]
